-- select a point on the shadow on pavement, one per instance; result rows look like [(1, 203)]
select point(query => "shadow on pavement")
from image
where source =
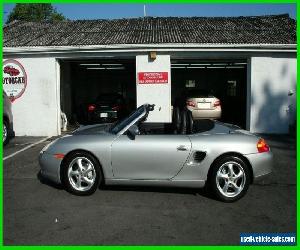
[(176, 190), (204, 192)]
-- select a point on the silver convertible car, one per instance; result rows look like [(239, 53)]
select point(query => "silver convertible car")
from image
[(221, 156)]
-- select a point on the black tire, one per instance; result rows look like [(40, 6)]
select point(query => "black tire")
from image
[(96, 173), (5, 127), (215, 185)]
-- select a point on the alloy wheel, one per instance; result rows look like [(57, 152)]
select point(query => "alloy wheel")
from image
[(230, 179), (81, 174)]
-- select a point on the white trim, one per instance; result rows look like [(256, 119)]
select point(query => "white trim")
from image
[(27, 147), (57, 90), (156, 47), (248, 95)]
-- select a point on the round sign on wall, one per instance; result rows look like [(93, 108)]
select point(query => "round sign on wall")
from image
[(14, 79)]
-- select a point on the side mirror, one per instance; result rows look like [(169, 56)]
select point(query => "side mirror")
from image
[(133, 131)]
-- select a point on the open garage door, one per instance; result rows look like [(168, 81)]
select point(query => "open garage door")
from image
[(225, 80), (92, 89)]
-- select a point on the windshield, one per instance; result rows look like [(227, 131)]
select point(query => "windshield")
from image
[(118, 126), (109, 98), (199, 93)]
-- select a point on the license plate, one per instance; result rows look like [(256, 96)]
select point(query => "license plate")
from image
[(104, 115), (204, 105)]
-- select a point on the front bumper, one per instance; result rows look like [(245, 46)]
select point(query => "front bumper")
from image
[(50, 167), (262, 164)]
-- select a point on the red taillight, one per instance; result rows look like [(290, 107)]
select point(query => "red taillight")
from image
[(262, 146), (217, 103), (116, 108), (91, 107), (190, 104)]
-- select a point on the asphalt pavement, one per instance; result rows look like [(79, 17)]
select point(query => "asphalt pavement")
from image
[(37, 213)]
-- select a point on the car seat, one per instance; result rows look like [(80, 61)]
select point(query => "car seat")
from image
[(176, 120), (186, 126), (190, 121), (182, 121)]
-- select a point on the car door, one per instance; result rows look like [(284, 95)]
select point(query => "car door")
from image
[(149, 156)]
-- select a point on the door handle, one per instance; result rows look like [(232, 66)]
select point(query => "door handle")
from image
[(181, 148)]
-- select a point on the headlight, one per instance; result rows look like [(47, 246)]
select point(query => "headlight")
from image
[(47, 146)]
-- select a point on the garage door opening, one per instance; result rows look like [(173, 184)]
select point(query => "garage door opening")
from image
[(224, 79), (85, 83)]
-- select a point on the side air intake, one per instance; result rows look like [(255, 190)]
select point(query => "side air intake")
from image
[(199, 156)]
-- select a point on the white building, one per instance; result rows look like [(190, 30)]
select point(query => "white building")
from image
[(248, 62)]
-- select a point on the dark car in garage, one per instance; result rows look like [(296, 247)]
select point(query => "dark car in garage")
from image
[(108, 107)]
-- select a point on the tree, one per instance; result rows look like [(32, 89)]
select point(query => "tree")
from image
[(34, 12)]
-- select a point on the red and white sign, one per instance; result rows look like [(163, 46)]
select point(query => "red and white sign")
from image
[(152, 77), (14, 79)]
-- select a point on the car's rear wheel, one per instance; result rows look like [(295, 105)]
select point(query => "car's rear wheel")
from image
[(5, 132), (230, 178), (81, 174)]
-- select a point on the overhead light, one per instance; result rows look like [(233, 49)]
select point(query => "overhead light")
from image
[(107, 68), (95, 68), (112, 64), (89, 64), (216, 67), (188, 67), (220, 64), (152, 55), (116, 68), (242, 63), (200, 64), (235, 67), (180, 64)]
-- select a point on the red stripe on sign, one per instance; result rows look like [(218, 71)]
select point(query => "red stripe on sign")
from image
[(153, 77)]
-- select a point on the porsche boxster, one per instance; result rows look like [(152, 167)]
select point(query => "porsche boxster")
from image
[(132, 151)]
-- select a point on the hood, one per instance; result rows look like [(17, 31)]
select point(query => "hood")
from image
[(93, 129)]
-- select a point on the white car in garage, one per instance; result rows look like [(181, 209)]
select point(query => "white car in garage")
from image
[(203, 105)]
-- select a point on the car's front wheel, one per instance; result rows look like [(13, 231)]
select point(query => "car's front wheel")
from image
[(230, 178), (5, 132), (81, 173)]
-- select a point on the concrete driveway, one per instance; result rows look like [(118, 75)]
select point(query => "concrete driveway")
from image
[(38, 213)]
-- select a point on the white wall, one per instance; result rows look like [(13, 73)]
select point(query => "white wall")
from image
[(272, 109), (158, 94), (35, 113)]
